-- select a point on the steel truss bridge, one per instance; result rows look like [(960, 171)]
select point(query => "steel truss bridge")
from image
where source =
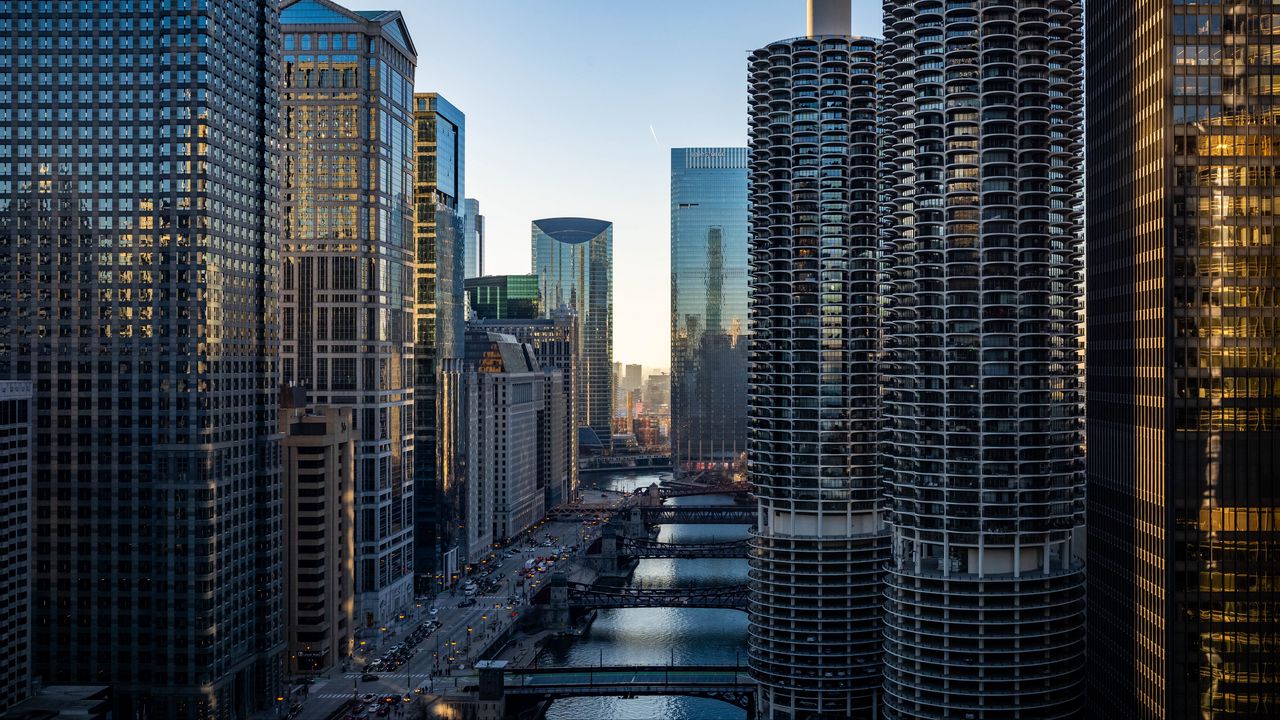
[(675, 491), (728, 683), (595, 597), (701, 514), (641, 548)]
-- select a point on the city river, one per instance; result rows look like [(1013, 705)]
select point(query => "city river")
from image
[(657, 637)]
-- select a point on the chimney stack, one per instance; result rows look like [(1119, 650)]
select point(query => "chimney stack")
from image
[(830, 17)]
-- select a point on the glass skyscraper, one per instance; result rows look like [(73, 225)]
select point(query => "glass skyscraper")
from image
[(820, 545), (504, 297), (1183, 364), (474, 230), (573, 259), (347, 246), (139, 290), (709, 332), (982, 457), (440, 304)]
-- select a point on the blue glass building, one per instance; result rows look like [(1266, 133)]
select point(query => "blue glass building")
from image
[(573, 259), (708, 307)]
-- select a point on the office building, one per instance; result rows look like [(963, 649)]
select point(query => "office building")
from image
[(515, 440), (139, 288), (504, 297), (347, 247), (439, 239), (983, 455), (319, 449), (474, 232), (82, 702), (1183, 328), (708, 308), (812, 395), (573, 259), (555, 344), (16, 497), (632, 379)]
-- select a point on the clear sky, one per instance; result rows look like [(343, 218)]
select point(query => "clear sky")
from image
[(573, 106)]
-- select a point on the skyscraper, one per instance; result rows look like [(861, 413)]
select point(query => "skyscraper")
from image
[(348, 264), (812, 395), (573, 259), (474, 231), (139, 291), (982, 456), (16, 497), (440, 316), (555, 344), (1183, 360), (708, 307)]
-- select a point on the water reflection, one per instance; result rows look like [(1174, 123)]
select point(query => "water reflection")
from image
[(660, 636)]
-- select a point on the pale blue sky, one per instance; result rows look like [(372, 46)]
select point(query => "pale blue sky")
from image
[(560, 98)]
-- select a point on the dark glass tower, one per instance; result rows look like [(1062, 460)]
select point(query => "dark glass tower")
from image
[(708, 308), (439, 312), (820, 545), (1184, 359), (347, 246), (139, 265), (573, 259), (504, 297)]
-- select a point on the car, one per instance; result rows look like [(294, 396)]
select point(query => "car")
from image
[(368, 677), (383, 711), (367, 698), (434, 610), (467, 603), (372, 708)]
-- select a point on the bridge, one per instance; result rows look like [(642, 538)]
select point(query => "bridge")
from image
[(642, 548), (526, 687), (675, 491), (701, 514), (597, 597), (604, 463)]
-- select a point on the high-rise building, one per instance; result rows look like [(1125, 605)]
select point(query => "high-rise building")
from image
[(983, 459), (516, 430), (139, 291), (812, 395), (555, 344), (474, 232), (504, 297), (573, 259), (439, 239), (708, 308), (347, 245), (16, 497), (633, 378), (1183, 360), (319, 529)]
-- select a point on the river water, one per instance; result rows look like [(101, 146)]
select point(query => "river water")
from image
[(657, 637)]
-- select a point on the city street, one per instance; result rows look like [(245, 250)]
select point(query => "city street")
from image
[(462, 630)]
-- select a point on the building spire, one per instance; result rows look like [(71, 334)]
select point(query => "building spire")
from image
[(830, 17)]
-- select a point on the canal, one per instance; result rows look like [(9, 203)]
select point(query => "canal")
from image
[(657, 637)]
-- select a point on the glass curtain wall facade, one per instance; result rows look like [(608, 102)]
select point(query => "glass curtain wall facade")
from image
[(1183, 344), (983, 455), (708, 308), (139, 290), (573, 259), (504, 297), (441, 324), (820, 543), (475, 239), (347, 303)]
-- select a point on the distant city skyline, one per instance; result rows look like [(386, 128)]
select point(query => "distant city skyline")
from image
[(604, 153)]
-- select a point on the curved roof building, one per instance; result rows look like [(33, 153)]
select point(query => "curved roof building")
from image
[(573, 259)]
